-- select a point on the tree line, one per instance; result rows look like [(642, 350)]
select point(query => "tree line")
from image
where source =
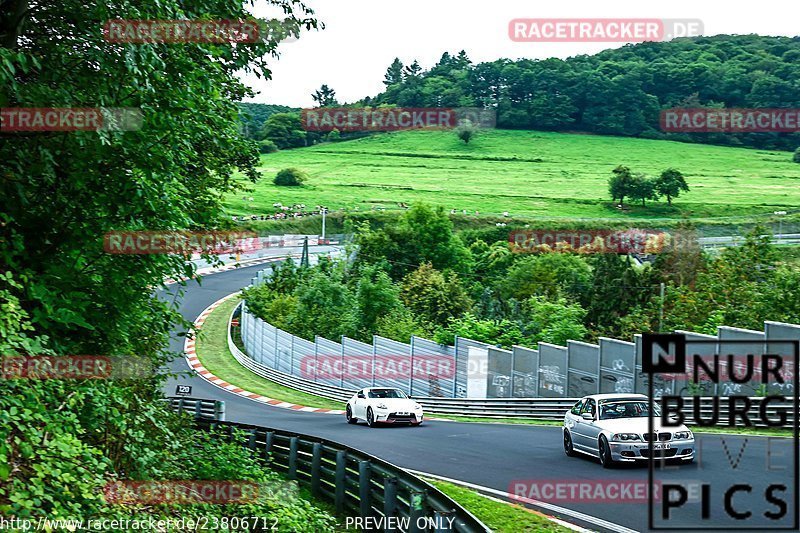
[(625, 184), (615, 92), (420, 277)]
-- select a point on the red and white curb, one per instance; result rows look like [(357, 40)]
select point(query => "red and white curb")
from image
[(197, 366)]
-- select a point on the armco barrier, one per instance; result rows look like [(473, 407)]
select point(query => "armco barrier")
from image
[(201, 409), (358, 483), (538, 408)]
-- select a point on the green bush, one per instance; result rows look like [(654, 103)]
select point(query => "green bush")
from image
[(292, 177), (267, 147)]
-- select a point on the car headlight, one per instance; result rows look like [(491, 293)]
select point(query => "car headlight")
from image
[(417, 407), (381, 405), (625, 436), (682, 435)]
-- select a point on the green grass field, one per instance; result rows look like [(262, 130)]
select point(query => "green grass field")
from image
[(526, 173)]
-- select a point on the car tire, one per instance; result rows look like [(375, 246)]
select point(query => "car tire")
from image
[(350, 418), (568, 449), (605, 452), (370, 418), (415, 424)]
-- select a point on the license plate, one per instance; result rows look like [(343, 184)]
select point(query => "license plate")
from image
[(661, 446)]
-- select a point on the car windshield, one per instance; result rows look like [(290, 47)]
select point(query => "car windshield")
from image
[(386, 393), (626, 409)]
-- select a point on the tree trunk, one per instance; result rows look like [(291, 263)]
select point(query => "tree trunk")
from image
[(13, 15)]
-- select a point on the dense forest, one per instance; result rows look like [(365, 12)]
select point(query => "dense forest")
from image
[(254, 115), (419, 277), (616, 92)]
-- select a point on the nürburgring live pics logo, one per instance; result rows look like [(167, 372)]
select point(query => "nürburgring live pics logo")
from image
[(750, 379)]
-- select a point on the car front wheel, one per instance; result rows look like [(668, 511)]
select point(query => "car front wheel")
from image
[(350, 418), (605, 452), (568, 445), (370, 417)]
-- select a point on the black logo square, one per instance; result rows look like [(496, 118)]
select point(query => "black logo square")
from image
[(669, 348)]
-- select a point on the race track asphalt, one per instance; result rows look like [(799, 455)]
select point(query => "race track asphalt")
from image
[(499, 455)]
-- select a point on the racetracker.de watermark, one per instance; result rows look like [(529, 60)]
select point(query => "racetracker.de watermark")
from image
[(581, 490), (27, 119), (739, 120), (380, 366), (348, 119), (630, 241), (198, 31), (181, 492), (180, 242), (602, 30), (75, 367)]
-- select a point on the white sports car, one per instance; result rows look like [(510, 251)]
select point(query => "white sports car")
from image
[(614, 428), (382, 405)]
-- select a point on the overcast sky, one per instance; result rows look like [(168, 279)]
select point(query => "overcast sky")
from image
[(362, 37)]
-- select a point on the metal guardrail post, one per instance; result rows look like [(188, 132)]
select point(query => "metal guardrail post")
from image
[(293, 444), (374, 356), (389, 500), (411, 373), (364, 473), (455, 363), (198, 408), (270, 437), (416, 509), (220, 407), (316, 463), (341, 480), (443, 520), (341, 377), (251, 441), (180, 405)]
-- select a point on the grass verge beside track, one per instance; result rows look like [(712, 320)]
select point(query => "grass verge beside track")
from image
[(212, 350), (498, 515)]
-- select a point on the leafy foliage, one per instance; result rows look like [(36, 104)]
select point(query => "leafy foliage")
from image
[(290, 177), (60, 192), (671, 183), (434, 296), (253, 116)]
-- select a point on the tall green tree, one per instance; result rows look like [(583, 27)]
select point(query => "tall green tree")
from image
[(670, 184), (60, 192), (642, 188), (412, 71), (325, 96), (377, 296), (434, 296), (620, 184), (394, 74), (285, 130)]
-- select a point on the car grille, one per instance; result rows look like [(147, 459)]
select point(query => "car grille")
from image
[(663, 436), (397, 417), (659, 453)]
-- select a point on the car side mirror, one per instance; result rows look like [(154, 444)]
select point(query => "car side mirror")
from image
[(360, 395), (587, 416)]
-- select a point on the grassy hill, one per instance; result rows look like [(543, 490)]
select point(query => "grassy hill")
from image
[(526, 173)]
